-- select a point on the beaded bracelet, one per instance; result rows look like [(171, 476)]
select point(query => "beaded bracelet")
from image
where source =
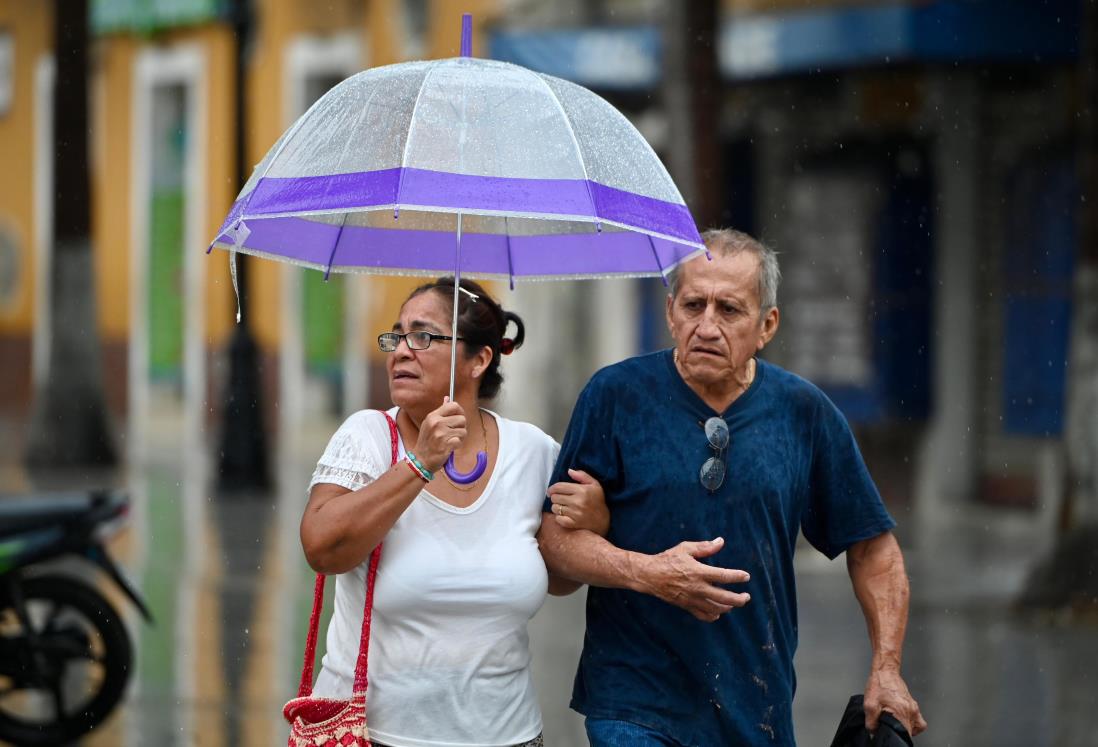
[(416, 472), (425, 473)]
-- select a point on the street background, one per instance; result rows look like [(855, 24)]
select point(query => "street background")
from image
[(922, 168)]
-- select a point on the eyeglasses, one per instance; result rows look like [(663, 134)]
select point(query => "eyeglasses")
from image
[(418, 340), (712, 472)]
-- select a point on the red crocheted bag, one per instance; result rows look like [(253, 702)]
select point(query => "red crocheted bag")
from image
[(330, 722)]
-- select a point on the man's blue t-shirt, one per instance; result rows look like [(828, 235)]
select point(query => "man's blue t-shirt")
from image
[(792, 464)]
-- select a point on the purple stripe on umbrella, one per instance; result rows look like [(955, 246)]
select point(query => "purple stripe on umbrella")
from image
[(304, 240), (329, 192), (464, 192), (457, 192), (648, 213), (606, 253)]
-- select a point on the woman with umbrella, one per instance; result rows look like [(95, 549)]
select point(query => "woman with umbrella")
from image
[(461, 573)]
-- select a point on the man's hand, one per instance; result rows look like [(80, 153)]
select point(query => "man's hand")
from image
[(886, 691), (676, 577), (876, 568), (580, 504)]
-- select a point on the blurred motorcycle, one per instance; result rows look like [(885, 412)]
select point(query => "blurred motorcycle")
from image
[(65, 651)]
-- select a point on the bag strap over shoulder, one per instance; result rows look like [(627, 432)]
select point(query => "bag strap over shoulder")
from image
[(361, 680)]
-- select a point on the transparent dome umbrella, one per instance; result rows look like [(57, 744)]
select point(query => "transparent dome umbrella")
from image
[(465, 166)]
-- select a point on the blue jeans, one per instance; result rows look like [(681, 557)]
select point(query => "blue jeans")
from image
[(605, 732)]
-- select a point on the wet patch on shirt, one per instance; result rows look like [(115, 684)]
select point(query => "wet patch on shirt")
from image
[(768, 715), (761, 683)]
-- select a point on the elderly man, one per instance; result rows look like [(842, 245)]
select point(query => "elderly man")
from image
[(711, 460)]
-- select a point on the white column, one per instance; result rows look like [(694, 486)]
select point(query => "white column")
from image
[(194, 258), (44, 75), (947, 471), (1081, 427), (182, 64), (357, 294), (616, 308), (291, 357), (528, 373)]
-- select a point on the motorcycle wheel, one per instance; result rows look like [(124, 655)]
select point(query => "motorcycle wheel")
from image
[(72, 672)]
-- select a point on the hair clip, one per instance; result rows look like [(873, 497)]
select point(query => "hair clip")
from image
[(506, 346), (470, 294)]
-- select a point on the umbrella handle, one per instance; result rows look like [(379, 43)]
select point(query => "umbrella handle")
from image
[(464, 478)]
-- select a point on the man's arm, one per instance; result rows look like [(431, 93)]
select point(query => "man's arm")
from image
[(577, 505), (876, 568), (675, 575)]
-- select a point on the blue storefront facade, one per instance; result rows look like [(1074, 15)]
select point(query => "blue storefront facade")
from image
[(913, 164)]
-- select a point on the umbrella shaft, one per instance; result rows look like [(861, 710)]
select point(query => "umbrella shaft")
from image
[(454, 331)]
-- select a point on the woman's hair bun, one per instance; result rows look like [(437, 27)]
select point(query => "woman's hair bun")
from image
[(509, 345)]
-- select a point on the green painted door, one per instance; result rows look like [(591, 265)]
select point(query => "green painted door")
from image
[(166, 231), (323, 309)]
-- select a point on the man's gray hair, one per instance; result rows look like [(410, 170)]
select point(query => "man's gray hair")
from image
[(725, 242)]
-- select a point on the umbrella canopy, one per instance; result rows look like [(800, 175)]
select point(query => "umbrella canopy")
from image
[(549, 179), (463, 166)]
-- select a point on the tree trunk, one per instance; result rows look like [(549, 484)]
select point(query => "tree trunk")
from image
[(242, 462), (692, 99), (69, 424)]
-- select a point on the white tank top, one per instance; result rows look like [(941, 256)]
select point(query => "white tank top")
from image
[(449, 653)]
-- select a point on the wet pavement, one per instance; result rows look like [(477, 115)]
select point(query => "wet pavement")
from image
[(226, 581)]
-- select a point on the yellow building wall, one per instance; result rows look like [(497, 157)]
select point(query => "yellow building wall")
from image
[(220, 174), (111, 165), (31, 28), (383, 33), (264, 118), (113, 101), (380, 23), (280, 22)]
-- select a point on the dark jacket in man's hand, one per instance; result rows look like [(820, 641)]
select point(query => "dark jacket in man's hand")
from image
[(852, 731)]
